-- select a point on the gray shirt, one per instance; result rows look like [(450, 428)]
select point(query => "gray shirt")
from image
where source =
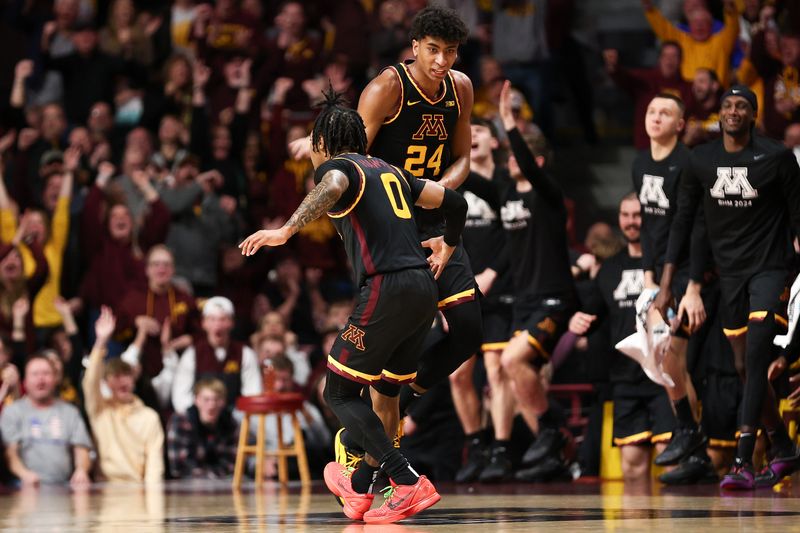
[(519, 34), (45, 437)]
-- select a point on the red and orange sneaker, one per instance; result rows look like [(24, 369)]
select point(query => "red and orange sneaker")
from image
[(337, 478), (402, 501)]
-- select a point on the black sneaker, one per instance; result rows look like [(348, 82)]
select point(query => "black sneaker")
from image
[(547, 443), (476, 461), (548, 469), (777, 469), (684, 441), (690, 471), (498, 467)]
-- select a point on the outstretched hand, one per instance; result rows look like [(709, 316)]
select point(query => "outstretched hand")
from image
[(504, 108), (300, 148), (264, 237), (440, 256), (105, 325)]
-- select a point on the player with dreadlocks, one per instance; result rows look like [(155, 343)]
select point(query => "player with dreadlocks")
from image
[(370, 202)]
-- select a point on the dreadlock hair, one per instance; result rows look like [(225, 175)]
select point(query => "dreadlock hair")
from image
[(338, 126), (440, 23)]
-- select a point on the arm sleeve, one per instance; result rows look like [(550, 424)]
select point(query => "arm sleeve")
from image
[(700, 250), (79, 435), (60, 224), (177, 449), (541, 182), (10, 426), (92, 398), (690, 194), (92, 227), (251, 374), (184, 381), (648, 261), (8, 225), (154, 455), (455, 212), (156, 225), (42, 270), (663, 28)]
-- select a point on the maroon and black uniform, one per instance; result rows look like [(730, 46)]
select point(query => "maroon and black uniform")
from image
[(417, 138), (397, 299)]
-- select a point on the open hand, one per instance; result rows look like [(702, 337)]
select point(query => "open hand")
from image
[(440, 256), (264, 237)]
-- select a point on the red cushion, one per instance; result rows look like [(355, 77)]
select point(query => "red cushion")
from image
[(270, 403)]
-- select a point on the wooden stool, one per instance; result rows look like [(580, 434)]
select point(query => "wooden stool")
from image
[(261, 406)]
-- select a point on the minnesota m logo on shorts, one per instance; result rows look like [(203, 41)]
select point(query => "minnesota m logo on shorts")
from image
[(355, 336)]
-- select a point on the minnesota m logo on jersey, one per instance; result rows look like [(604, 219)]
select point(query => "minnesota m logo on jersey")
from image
[(354, 335), (732, 181), (432, 126), (631, 283), (652, 192)]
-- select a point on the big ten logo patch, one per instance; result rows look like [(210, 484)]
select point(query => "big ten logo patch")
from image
[(432, 126), (355, 336)]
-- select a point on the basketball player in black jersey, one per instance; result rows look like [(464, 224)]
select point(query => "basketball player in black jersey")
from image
[(485, 243), (749, 187), (369, 202), (657, 174), (535, 219), (417, 116)]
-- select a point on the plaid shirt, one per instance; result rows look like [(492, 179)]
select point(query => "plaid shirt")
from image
[(197, 451)]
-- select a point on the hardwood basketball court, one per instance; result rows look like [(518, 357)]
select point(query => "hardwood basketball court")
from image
[(566, 507)]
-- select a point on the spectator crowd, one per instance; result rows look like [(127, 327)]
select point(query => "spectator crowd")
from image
[(140, 141)]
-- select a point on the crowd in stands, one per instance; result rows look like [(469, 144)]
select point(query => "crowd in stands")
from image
[(140, 141)]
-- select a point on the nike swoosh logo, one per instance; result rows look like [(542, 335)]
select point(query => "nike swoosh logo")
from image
[(409, 103), (672, 168), (757, 157)]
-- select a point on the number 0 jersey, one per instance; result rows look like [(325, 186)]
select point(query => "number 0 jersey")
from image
[(374, 217), (418, 137)]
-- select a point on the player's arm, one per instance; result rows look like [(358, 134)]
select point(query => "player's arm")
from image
[(379, 100), (330, 188), (430, 195), (689, 195), (461, 141)]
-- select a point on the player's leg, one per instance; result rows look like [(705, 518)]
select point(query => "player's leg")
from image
[(501, 408), (459, 303), (764, 291), (632, 435), (465, 397), (467, 404), (525, 378)]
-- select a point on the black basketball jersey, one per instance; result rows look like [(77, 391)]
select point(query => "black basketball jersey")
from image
[(417, 138), (374, 216)]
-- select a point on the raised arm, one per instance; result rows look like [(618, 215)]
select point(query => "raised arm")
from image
[(526, 160), (92, 397), (319, 201)]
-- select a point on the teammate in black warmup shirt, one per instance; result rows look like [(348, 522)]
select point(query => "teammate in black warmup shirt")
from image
[(749, 187), (642, 414), (657, 174), (485, 243), (369, 202), (535, 219)]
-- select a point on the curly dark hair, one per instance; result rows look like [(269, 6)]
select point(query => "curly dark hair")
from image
[(339, 126), (440, 23)]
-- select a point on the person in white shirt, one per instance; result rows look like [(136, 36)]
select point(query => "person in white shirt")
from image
[(216, 355)]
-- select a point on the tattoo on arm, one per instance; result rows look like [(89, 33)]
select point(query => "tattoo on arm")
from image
[(319, 200)]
